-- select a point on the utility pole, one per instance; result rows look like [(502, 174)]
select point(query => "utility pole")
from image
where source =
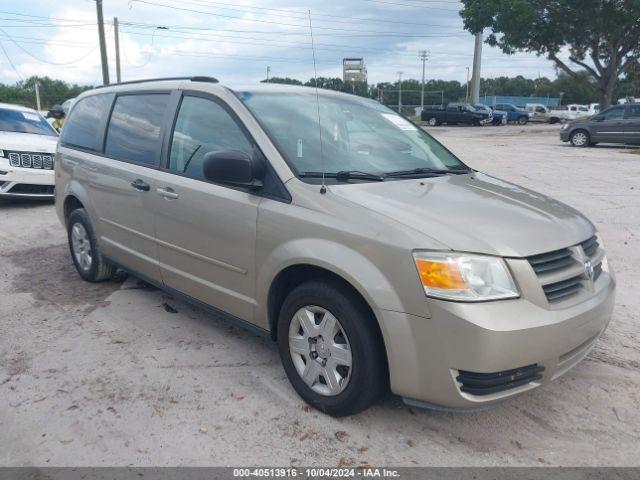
[(424, 56), (117, 37), (268, 71), (477, 62), (466, 99), (103, 45), (37, 85), (399, 92)]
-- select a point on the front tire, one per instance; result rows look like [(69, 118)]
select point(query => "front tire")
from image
[(580, 138), (433, 122), (331, 348), (86, 257)]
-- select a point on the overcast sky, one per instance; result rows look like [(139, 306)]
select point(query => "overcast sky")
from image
[(236, 40)]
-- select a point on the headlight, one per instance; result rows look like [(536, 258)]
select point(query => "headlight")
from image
[(565, 125), (464, 277), (1, 153)]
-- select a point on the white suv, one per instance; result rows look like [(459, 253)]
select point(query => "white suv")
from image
[(27, 149)]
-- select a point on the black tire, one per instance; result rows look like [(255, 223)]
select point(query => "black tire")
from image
[(523, 120), (98, 270), (369, 373), (433, 122), (580, 138)]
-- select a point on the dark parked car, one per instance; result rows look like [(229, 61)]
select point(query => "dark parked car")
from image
[(618, 124), (455, 113), (514, 114)]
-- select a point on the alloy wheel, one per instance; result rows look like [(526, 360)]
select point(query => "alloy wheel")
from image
[(579, 139), (81, 246), (320, 350)]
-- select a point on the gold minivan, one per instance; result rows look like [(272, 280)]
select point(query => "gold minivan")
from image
[(373, 256)]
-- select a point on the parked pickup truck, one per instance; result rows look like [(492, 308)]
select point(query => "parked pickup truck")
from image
[(514, 114), (455, 113)]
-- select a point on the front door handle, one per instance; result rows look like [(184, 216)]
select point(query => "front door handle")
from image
[(140, 185), (167, 192)]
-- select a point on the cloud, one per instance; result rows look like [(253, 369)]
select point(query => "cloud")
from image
[(236, 41)]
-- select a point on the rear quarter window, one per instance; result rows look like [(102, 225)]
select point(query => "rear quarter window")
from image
[(84, 126), (134, 130)]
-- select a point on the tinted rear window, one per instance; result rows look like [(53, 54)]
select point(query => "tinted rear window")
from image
[(83, 128), (134, 129)]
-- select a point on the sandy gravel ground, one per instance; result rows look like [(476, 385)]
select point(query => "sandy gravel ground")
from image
[(122, 374)]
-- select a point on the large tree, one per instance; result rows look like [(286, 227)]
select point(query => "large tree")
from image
[(601, 37)]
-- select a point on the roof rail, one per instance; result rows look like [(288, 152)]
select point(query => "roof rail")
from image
[(197, 78)]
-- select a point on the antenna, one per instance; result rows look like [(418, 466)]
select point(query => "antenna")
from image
[(323, 188)]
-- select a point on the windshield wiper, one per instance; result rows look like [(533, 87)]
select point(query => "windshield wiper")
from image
[(427, 171), (345, 175)]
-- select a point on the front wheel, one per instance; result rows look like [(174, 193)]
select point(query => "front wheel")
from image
[(331, 348), (579, 138), (433, 122)]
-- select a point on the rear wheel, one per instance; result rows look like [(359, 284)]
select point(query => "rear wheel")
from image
[(523, 120), (579, 138), (331, 349), (87, 259)]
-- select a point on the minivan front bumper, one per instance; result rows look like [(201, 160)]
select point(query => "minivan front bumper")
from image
[(426, 355)]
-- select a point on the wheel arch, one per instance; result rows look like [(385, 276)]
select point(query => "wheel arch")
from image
[(75, 196), (296, 274)]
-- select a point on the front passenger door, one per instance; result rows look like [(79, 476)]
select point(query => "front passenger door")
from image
[(206, 232)]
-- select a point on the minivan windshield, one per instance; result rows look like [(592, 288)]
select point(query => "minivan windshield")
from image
[(23, 121), (358, 135)]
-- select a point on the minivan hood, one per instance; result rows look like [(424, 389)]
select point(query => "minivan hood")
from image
[(474, 213), (27, 142)]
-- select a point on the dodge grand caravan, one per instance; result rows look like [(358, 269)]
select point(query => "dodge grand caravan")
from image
[(372, 255)]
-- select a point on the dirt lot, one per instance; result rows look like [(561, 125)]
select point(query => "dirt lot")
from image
[(120, 374)]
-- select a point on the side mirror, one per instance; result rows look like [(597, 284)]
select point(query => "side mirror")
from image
[(233, 167)]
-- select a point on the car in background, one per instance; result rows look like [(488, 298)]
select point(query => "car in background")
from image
[(514, 114), (498, 117), (455, 113), (27, 149), (617, 124)]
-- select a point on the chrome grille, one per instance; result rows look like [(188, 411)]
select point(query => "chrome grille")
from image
[(47, 162), (564, 273), (42, 161), (551, 261), (563, 288)]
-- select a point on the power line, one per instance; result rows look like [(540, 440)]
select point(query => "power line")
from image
[(46, 61), (10, 62), (296, 25), (290, 13)]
